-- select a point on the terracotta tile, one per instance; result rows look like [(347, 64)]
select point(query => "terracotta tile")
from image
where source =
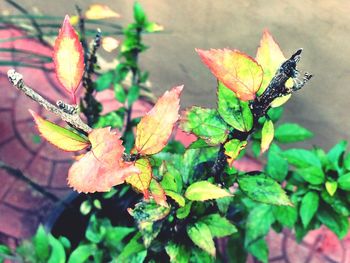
[(15, 154), (9, 93), (29, 135), (330, 246), (274, 241), (23, 103), (6, 182), (59, 175), (22, 196), (39, 170), (295, 252), (6, 128), (16, 224)]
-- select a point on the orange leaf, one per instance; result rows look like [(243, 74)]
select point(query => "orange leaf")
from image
[(103, 167), (141, 181), (60, 137), (158, 193), (270, 57), (155, 128), (236, 70), (68, 57), (97, 11)]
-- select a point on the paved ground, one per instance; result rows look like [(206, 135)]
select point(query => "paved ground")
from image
[(22, 208)]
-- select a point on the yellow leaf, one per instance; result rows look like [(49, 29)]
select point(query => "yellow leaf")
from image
[(141, 181), (236, 70), (270, 57), (158, 193), (62, 138), (280, 101), (267, 134), (232, 150), (97, 11), (110, 43), (154, 129)]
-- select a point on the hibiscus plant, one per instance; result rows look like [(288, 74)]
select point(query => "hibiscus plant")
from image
[(191, 204)]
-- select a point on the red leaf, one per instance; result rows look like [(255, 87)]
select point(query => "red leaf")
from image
[(68, 57), (236, 70), (103, 167), (154, 129), (158, 193)]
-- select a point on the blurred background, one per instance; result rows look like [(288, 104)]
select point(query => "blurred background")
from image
[(320, 27)]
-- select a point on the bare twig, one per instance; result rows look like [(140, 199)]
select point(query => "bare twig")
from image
[(73, 119)]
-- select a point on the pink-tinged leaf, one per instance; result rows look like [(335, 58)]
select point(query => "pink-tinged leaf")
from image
[(270, 57), (68, 57), (103, 166), (267, 134), (236, 70), (60, 137), (141, 181), (158, 193), (155, 128)]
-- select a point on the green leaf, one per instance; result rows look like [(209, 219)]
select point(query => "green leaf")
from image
[(119, 93), (148, 216), (276, 166), (308, 207), (41, 244), (331, 187), (177, 252), (301, 158), (85, 207), (286, 215), (234, 111), (116, 234), (258, 224), (133, 94), (172, 179), (275, 113), (104, 81), (132, 249), (200, 256), (82, 253), (347, 162), (233, 149), (267, 134), (313, 175), (334, 155), (219, 226), (291, 132), (206, 124), (336, 223), (114, 119), (200, 143), (183, 212), (200, 234), (203, 190), (344, 182), (176, 197), (224, 204), (264, 189), (260, 250), (139, 14), (58, 255)]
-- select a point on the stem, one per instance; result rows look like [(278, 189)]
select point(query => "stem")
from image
[(73, 119), (90, 106), (135, 78)]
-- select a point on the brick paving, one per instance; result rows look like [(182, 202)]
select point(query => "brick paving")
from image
[(22, 208)]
